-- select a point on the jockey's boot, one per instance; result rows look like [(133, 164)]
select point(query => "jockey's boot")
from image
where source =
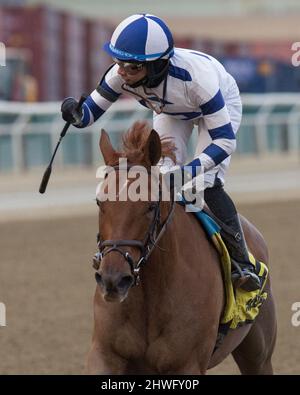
[(222, 206), (243, 275)]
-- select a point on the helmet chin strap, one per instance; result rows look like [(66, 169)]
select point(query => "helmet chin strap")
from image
[(152, 78)]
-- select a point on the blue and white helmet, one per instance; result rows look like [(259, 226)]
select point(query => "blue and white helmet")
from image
[(141, 38)]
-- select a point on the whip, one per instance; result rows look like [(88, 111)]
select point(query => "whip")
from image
[(48, 171)]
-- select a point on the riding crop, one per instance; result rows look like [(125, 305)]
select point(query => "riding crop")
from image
[(48, 171)]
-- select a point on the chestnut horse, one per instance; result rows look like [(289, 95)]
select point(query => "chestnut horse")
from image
[(168, 323)]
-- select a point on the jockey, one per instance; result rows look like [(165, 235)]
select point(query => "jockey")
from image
[(184, 88)]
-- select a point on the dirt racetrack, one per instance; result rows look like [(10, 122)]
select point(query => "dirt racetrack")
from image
[(47, 285)]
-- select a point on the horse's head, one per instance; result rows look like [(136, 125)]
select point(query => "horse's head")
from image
[(129, 218)]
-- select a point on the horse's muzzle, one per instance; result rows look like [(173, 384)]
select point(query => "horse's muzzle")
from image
[(114, 288)]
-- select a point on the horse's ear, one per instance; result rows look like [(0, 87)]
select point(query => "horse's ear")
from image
[(106, 148), (152, 148)]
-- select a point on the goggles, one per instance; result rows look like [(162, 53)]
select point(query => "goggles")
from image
[(129, 68)]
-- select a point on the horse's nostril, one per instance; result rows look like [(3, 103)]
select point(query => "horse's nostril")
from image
[(98, 278), (125, 282)]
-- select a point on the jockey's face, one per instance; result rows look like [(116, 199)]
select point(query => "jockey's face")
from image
[(131, 72)]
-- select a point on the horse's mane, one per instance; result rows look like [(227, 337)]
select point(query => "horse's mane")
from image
[(135, 139)]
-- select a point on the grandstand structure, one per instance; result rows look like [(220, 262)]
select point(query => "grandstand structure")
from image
[(230, 20), (30, 131), (179, 8), (252, 38)]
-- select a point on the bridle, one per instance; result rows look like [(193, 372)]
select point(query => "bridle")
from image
[(146, 247)]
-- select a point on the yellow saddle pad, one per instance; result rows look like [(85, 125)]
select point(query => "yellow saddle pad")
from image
[(242, 307)]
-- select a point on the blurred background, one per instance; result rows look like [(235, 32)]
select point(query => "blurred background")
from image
[(53, 50)]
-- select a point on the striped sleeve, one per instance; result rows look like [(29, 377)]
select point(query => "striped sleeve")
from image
[(110, 87), (217, 121), (216, 152), (107, 92), (93, 107)]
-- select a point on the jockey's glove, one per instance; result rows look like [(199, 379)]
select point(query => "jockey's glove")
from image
[(70, 111), (180, 179), (193, 192), (175, 177)]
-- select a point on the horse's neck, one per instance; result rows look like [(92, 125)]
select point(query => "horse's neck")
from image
[(167, 256), (186, 250), (178, 278)]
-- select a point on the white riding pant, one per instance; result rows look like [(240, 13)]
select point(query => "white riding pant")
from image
[(181, 130)]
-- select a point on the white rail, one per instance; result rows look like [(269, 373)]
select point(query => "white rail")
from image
[(29, 131)]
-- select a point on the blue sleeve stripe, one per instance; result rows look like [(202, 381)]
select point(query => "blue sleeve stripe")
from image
[(195, 166), (216, 153), (94, 108), (186, 115), (86, 115), (108, 89), (222, 132), (213, 105), (180, 73)]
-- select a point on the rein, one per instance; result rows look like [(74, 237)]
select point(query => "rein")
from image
[(156, 108), (146, 247)]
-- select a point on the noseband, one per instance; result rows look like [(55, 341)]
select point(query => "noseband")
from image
[(153, 235)]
